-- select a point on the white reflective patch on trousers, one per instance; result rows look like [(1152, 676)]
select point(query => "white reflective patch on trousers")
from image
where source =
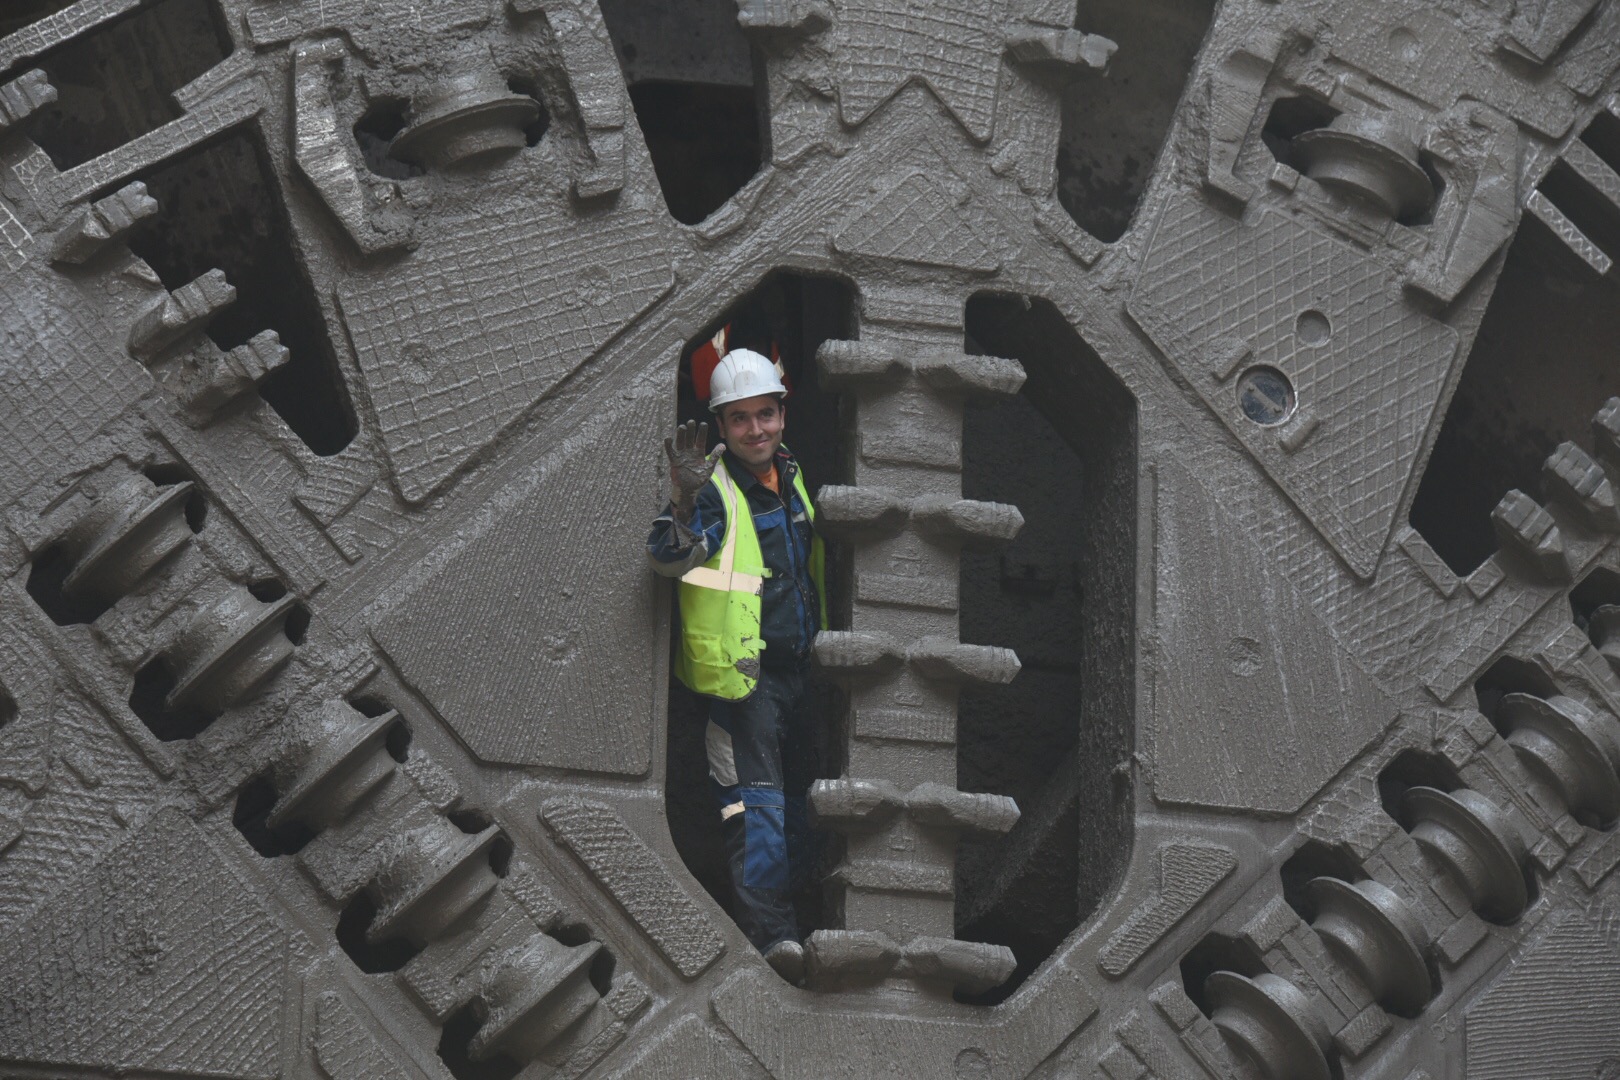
[(731, 810), (722, 762)]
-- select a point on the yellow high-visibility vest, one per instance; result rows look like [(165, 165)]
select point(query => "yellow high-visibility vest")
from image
[(720, 600)]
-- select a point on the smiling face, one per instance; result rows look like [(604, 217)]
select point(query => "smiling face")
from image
[(752, 429)]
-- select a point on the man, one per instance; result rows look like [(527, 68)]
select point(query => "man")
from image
[(739, 533)]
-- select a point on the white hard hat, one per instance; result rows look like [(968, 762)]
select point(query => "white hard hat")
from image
[(742, 373)]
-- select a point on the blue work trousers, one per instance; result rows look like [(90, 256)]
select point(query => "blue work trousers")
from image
[(761, 753)]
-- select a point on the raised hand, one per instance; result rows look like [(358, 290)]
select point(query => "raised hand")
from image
[(689, 467)]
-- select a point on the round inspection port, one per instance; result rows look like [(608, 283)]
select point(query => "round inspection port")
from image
[(1313, 328), (1266, 396)]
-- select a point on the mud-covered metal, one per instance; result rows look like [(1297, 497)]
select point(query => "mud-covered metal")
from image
[(1168, 737)]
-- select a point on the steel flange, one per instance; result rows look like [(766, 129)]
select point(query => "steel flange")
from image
[(464, 121), (1370, 159), (1375, 934), (1473, 841), (1564, 744), (433, 876), (535, 993), (1270, 1020), (126, 533), (229, 649), (330, 762)]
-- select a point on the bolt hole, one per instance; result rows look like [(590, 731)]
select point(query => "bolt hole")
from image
[(1266, 396), (1313, 328), (8, 707), (1405, 44), (457, 1037), (373, 959), (253, 805), (153, 682)]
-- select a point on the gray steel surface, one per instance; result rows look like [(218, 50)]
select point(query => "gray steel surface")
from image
[(1169, 736)]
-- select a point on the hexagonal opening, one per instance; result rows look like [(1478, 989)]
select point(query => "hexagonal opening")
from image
[(1115, 125), (795, 313), (1062, 595), (1541, 365), (692, 80), (115, 82)]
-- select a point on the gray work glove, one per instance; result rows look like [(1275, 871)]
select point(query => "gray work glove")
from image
[(689, 467)]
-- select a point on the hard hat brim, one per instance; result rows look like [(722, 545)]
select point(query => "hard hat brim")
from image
[(716, 403)]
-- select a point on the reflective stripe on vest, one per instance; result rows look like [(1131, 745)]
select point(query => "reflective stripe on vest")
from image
[(720, 600), (721, 572)]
